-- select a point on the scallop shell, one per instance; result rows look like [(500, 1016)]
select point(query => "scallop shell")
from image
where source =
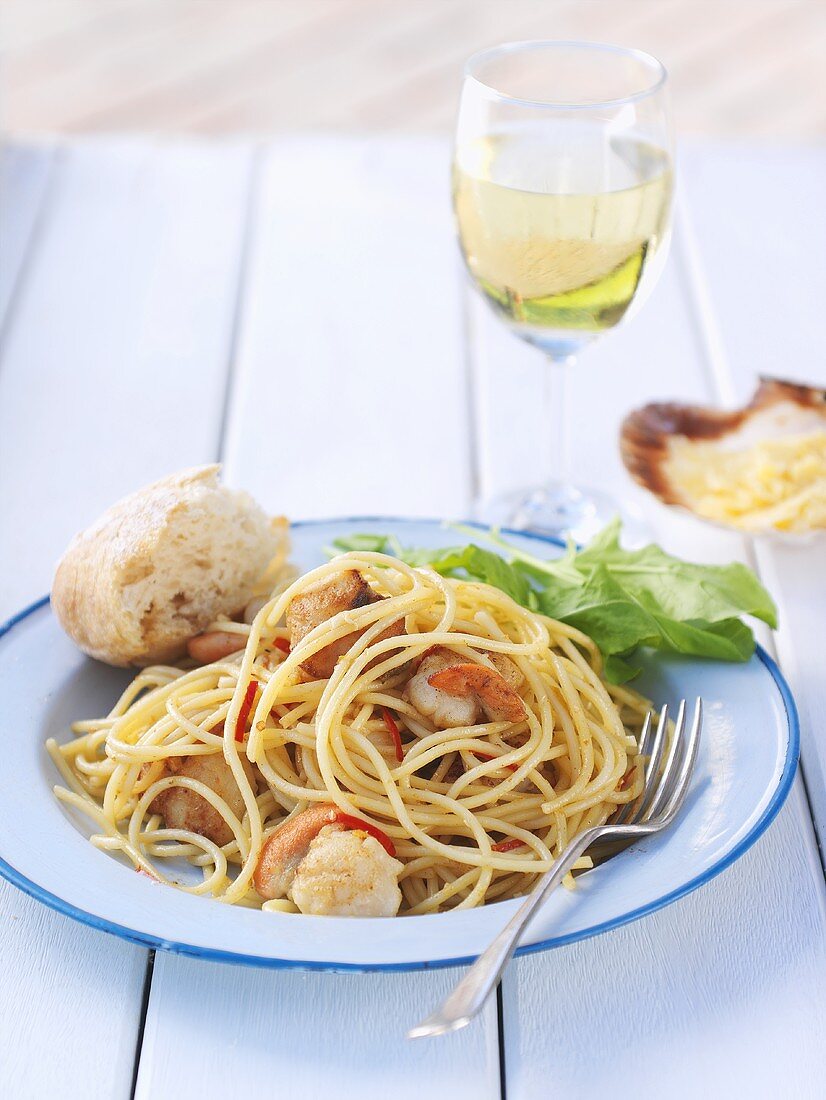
[(778, 409)]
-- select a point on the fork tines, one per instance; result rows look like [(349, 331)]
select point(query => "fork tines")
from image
[(665, 783)]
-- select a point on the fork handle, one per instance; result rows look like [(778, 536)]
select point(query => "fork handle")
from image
[(470, 994)]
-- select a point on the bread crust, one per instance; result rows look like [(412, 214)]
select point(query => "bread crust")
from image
[(128, 590)]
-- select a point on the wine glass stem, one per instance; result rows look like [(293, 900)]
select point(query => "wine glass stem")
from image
[(556, 422)]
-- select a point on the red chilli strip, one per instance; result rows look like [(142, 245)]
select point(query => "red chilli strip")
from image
[(148, 874), (508, 845), (486, 756), (282, 644), (427, 653), (393, 730), (350, 822), (244, 712), (626, 779)]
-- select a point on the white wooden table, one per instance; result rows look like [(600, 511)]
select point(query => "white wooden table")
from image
[(297, 310)]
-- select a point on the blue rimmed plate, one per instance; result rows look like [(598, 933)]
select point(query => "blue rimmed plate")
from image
[(745, 769)]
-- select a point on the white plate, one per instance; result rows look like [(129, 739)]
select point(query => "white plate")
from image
[(746, 765)]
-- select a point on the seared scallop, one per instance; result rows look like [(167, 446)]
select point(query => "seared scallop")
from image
[(343, 592), (327, 867), (182, 808)]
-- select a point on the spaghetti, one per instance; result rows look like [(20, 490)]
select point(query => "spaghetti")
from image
[(474, 812)]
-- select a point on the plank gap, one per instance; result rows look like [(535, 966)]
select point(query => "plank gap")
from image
[(12, 284), (237, 320), (500, 1031), (144, 1006), (472, 397)]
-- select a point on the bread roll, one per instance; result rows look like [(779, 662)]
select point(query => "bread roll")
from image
[(160, 565)]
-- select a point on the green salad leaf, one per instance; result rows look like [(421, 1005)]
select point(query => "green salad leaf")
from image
[(623, 599)]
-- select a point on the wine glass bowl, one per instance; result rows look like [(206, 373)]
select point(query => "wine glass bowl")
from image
[(562, 188)]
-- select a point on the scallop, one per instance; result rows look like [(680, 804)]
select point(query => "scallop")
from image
[(761, 468)]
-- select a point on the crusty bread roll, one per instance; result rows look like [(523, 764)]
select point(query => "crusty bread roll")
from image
[(160, 565)]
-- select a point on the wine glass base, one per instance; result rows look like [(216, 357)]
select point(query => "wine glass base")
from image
[(562, 511)]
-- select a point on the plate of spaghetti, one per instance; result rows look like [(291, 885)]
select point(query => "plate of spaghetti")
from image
[(369, 767)]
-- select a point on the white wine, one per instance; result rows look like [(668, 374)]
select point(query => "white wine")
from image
[(561, 234)]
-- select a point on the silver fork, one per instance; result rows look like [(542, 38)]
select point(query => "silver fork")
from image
[(664, 791)]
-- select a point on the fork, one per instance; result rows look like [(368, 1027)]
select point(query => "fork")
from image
[(663, 793)]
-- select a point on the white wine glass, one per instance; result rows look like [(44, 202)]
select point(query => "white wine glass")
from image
[(562, 190)]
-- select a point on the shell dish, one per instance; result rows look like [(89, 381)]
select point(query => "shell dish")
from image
[(760, 468)]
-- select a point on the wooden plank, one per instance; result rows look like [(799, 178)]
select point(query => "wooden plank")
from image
[(718, 995), (112, 372), (24, 178), (306, 1035), (687, 998), (349, 352), (114, 366), (66, 986), (772, 324), (351, 348), (766, 275)]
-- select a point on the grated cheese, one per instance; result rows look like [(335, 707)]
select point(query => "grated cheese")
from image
[(777, 483)]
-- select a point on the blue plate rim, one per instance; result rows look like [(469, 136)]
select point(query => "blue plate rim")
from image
[(52, 901)]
